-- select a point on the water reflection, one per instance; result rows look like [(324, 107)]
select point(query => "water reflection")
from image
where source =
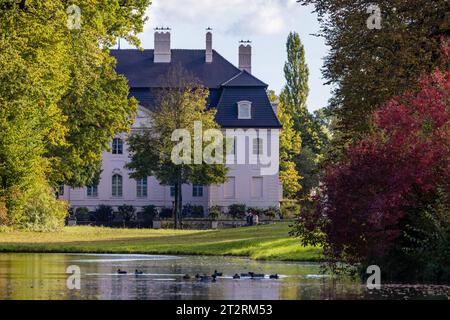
[(42, 276)]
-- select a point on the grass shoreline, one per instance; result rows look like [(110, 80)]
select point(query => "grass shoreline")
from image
[(268, 242)]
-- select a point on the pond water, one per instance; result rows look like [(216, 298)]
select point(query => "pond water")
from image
[(43, 276)]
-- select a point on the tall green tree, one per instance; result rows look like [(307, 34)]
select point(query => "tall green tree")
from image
[(61, 101), (295, 92), (180, 104), (309, 126), (368, 65), (290, 147)]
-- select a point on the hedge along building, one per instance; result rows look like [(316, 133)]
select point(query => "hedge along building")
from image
[(243, 112)]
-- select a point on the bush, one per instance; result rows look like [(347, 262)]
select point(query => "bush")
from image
[(193, 211), (255, 211), (214, 212), (4, 220), (290, 210), (41, 211), (272, 212), (104, 213), (166, 213), (237, 211), (82, 214), (150, 213), (128, 212)]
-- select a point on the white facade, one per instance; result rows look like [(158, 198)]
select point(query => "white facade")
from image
[(247, 183)]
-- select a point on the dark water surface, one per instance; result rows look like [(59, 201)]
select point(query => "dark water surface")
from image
[(43, 276)]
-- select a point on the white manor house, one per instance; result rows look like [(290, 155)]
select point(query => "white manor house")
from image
[(243, 107)]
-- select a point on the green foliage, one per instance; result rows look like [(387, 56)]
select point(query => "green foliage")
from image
[(214, 212), (128, 212), (255, 211), (150, 212), (366, 66), (61, 101), (290, 148), (290, 209), (82, 214), (237, 210), (180, 103), (307, 162), (272, 212), (166, 213), (301, 129), (193, 211), (104, 213), (40, 210)]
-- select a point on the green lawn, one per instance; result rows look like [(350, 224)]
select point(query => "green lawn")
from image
[(269, 242)]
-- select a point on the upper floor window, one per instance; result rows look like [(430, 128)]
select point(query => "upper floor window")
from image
[(231, 145), (61, 190), (172, 191), (244, 110), (117, 185), (197, 191), (257, 146), (92, 191), (141, 188), (117, 146)]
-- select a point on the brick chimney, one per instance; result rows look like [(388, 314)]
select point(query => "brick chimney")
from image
[(162, 45), (245, 56), (209, 52)]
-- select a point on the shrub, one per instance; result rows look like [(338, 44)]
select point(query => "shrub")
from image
[(150, 212), (214, 212), (128, 212), (4, 219), (166, 213), (104, 213), (289, 210), (272, 212), (255, 211), (237, 211), (41, 211), (82, 214), (193, 211)]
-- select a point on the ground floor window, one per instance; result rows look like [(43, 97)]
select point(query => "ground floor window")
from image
[(257, 187), (172, 191), (92, 191), (117, 185), (141, 188), (197, 191)]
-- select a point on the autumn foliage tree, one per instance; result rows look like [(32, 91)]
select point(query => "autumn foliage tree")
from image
[(387, 201)]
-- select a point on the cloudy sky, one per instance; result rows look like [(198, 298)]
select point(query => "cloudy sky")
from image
[(265, 22)]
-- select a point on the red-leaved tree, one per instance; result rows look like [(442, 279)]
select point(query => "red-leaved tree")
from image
[(378, 196)]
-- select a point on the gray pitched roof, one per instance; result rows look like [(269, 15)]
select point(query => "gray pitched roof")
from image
[(227, 84)]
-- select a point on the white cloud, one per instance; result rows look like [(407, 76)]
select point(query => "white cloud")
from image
[(241, 17)]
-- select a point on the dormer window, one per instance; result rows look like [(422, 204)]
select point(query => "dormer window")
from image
[(244, 110)]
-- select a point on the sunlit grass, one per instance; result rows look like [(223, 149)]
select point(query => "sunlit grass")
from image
[(269, 242)]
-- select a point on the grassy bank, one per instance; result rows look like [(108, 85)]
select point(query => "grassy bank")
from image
[(269, 242)]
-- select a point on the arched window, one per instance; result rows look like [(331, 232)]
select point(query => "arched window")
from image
[(244, 110), (141, 188), (117, 185), (117, 146)]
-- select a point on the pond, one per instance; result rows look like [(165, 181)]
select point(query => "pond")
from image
[(43, 276)]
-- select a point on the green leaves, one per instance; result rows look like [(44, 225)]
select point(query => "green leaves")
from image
[(61, 101)]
